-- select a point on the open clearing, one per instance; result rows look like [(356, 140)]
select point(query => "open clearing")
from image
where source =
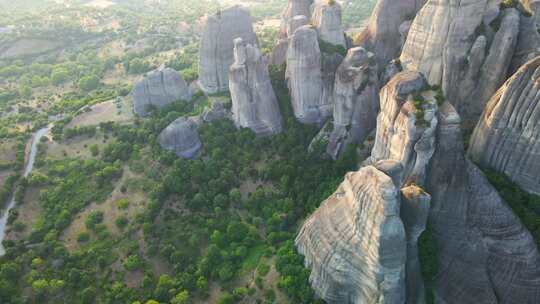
[(27, 47), (104, 112)]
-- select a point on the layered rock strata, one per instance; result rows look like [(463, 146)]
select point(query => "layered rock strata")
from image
[(158, 89), (469, 70), (485, 253), (254, 103), (304, 77), (181, 137), (327, 19), (216, 47), (355, 243), (356, 100), (507, 137)]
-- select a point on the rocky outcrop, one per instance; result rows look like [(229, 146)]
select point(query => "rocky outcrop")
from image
[(485, 253), (279, 53), (356, 100), (294, 8), (467, 70), (254, 103), (327, 19), (216, 47), (355, 243), (158, 89), (181, 137), (507, 137), (383, 35), (304, 77), (217, 110)]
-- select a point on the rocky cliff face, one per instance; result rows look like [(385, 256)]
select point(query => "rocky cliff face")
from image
[(158, 89), (468, 71), (507, 137), (355, 243), (304, 77), (327, 19), (485, 254), (216, 47), (356, 98), (294, 8), (254, 103), (383, 35), (279, 53), (181, 137)]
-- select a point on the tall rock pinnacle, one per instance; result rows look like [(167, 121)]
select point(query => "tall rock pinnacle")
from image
[(327, 19), (254, 103), (216, 49)]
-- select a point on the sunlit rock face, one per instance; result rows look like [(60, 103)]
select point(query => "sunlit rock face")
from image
[(254, 103), (355, 243), (383, 36), (356, 100), (216, 48), (181, 137), (158, 89), (294, 8), (507, 137), (469, 70), (327, 19), (304, 77), (485, 253)]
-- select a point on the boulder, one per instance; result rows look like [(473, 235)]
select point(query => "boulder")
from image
[(327, 19), (355, 243), (181, 137), (356, 98), (254, 103), (304, 77), (507, 137), (216, 47), (158, 89)]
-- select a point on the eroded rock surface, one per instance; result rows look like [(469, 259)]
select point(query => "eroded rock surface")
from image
[(485, 253), (507, 137), (327, 19), (279, 53), (216, 49), (355, 243), (181, 137), (304, 77), (254, 103), (158, 89), (294, 8), (356, 100)]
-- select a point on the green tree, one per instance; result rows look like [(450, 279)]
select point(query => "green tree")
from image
[(59, 76), (89, 83), (181, 298)]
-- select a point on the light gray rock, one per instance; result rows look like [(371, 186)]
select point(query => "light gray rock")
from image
[(383, 35), (356, 100), (327, 19), (279, 53), (182, 138), (355, 243), (294, 8), (158, 89), (468, 75), (528, 42), (217, 110), (329, 66), (415, 203), (216, 47), (485, 253), (304, 77), (507, 137), (404, 132), (254, 103)]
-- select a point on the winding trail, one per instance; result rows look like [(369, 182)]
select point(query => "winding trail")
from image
[(27, 170)]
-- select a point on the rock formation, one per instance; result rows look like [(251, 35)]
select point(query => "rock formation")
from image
[(182, 138), (356, 100), (158, 89), (383, 36), (294, 8), (254, 103), (279, 53), (216, 49), (468, 71), (355, 242), (327, 19), (507, 137), (485, 253), (304, 77)]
